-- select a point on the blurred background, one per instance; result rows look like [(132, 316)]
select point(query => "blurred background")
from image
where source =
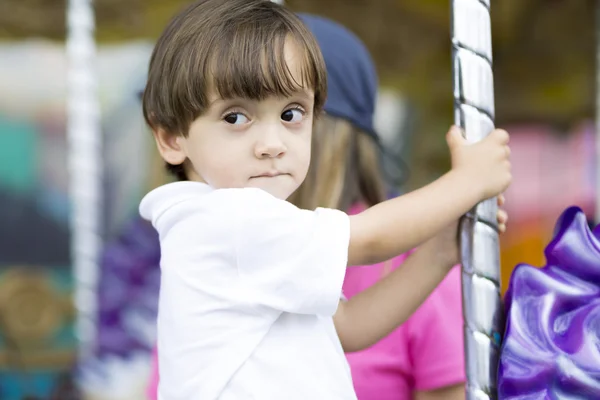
[(545, 73)]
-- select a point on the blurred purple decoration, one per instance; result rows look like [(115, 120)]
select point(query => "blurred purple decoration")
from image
[(551, 346), (128, 291)]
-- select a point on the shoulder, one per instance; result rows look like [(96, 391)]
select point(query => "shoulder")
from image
[(198, 206), (270, 218), (167, 197), (199, 196), (253, 202), (259, 207), (270, 228)]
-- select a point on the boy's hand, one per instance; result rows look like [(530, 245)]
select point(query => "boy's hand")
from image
[(485, 163), (445, 244)]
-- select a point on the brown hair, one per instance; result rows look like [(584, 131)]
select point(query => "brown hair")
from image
[(344, 168), (234, 47)]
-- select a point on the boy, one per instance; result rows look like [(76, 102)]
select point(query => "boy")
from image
[(250, 283)]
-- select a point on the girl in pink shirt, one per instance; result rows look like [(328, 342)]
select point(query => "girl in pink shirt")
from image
[(422, 359)]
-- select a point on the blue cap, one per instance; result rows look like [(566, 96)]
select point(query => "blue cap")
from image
[(351, 75)]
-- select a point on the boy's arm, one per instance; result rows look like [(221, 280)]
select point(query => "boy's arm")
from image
[(398, 225), (479, 171), (374, 313)]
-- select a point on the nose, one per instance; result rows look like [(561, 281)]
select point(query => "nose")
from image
[(270, 145)]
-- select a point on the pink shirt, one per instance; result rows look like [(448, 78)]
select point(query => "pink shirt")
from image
[(425, 353)]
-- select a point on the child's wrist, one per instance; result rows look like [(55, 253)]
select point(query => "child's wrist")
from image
[(469, 184)]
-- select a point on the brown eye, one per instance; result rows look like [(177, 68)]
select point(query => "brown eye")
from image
[(292, 115), (235, 118)]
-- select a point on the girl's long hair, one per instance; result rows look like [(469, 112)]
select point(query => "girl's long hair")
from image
[(345, 168)]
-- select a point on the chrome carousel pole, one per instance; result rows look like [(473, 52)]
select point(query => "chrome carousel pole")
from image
[(85, 169), (480, 253)]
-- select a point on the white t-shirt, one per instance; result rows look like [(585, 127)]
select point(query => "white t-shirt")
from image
[(249, 286)]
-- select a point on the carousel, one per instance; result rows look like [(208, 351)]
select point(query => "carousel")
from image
[(530, 332)]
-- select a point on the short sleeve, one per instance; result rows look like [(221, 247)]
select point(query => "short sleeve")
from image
[(290, 259), (436, 342)]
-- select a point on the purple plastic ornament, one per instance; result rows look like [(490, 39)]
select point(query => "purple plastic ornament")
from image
[(551, 348), (128, 291)]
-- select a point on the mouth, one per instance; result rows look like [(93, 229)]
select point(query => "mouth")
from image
[(271, 174)]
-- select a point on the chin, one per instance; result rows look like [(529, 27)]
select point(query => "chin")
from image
[(278, 192), (277, 187)]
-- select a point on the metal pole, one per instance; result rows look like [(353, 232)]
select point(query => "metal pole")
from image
[(474, 112), (85, 168)]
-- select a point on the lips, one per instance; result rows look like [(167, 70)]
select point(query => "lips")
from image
[(271, 174)]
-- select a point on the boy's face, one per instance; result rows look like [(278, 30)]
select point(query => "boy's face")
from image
[(248, 143)]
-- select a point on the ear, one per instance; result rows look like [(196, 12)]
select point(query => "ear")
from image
[(170, 147)]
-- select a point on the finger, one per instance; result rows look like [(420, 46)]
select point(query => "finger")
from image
[(502, 217), (507, 150), (501, 228), (455, 137), (501, 200), (502, 136)]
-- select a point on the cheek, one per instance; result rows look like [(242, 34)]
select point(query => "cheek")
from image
[(216, 151), (303, 153), (308, 144), (224, 164)]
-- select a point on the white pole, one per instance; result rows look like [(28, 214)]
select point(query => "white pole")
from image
[(480, 251), (85, 168)]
